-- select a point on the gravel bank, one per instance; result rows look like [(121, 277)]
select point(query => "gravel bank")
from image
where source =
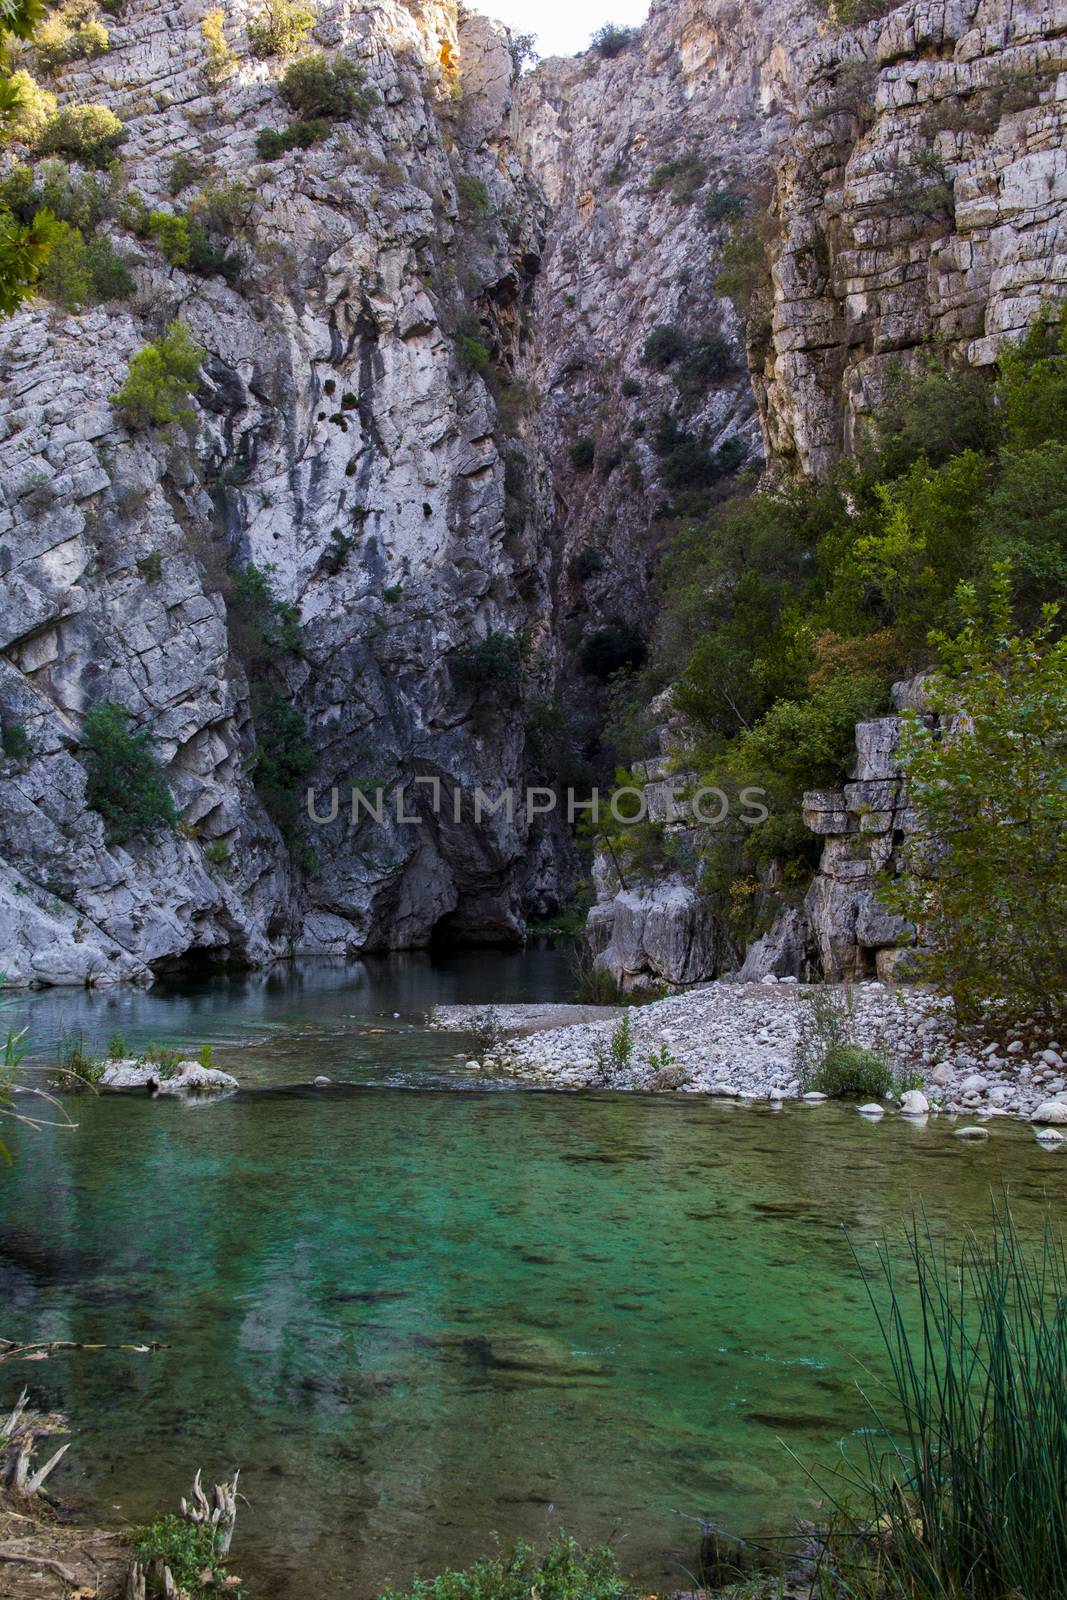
[(738, 1039)]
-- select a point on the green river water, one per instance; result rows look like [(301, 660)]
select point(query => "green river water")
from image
[(415, 1307)]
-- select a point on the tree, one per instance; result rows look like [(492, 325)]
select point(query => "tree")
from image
[(986, 873), (161, 381), (24, 246), (125, 780)]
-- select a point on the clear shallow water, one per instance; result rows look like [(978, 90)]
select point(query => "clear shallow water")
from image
[(414, 1316)]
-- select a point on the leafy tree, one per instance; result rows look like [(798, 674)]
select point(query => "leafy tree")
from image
[(89, 134), (220, 62), (162, 380), (125, 780), (25, 108), (986, 884), (281, 28), (327, 86), (611, 39)]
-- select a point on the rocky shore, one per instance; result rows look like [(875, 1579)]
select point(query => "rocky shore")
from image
[(739, 1040)]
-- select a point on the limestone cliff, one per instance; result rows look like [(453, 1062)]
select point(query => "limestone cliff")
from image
[(427, 407)]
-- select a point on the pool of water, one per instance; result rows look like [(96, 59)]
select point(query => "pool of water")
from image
[(415, 1316)]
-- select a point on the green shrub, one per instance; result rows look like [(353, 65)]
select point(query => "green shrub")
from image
[(89, 134), (150, 566), (494, 662), (473, 197), (564, 1572), (585, 564), (611, 40), (828, 1058), (283, 759), (81, 272), (270, 144), (664, 345), (281, 28), (723, 205), (65, 278), (161, 382), (630, 387), (708, 363), (263, 625), (188, 1549), (617, 1054), (852, 1073), (171, 234), (582, 453), (986, 870), (125, 780), (617, 647), (330, 87), (472, 352), (220, 62), (684, 177), (63, 37), (14, 740), (184, 171), (25, 109), (116, 1050)]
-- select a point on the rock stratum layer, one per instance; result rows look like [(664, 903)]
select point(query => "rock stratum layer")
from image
[(435, 307)]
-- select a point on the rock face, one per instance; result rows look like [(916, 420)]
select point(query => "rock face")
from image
[(427, 411), (342, 446)]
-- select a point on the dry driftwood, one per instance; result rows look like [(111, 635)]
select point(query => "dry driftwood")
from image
[(220, 1511), (42, 1349), (18, 1440)]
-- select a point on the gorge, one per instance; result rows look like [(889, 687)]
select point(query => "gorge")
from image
[(416, 426)]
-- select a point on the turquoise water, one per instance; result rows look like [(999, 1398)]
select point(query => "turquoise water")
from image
[(413, 1316)]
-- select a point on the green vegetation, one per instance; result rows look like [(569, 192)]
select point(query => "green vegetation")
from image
[(964, 1497), (185, 170), (89, 134), (220, 61), (683, 177), (68, 34), (611, 39), (281, 28), (617, 1054), (161, 382), (563, 1572), (270, 144), (82, 272), (788, 611), (24, 110), (190, 1551), (125, 781), (663, 346), (616, 647), (723, 205), (265, 632), (473, 197), (494, 662), (828, 1057), (472, 352), (582, 453), (14, 740), (987, 878), (330, 87)]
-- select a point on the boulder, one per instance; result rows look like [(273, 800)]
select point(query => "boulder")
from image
[(913, 1103), (1052, 1112)]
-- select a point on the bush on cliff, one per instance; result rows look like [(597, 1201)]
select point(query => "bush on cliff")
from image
[(125, 780), (280, 29), (331, 87), (89, 134), (161, 382)]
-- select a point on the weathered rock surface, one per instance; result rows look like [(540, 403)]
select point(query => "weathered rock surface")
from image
[(188, 1077), (347, 438)]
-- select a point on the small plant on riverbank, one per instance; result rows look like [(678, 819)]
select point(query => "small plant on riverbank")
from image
[(116, 1050), (828, 1056), (966, 1498), (617, 1054), (564, 1572), (189, 1551), (78, 1067)]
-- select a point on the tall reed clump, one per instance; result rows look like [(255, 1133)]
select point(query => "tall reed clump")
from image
[(970, 1496)]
